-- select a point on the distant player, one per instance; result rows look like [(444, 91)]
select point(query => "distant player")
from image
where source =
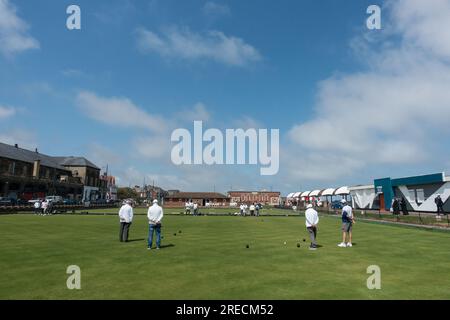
[(311, 221), (252, 209), (347, 225), (187, 207), (195, 208), (37, 207)]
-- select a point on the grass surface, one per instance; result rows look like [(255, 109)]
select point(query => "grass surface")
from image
[(209, 259)]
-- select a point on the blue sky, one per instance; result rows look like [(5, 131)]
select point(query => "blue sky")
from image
[(310, 68)]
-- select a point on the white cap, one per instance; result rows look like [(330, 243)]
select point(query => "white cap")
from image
[(309, 206), (155, 201), (343, 201)]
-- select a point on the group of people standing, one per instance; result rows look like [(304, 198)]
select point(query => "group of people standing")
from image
[(399, 204), (191, 208), (154, 215), (43, 208), (348, 220), (253, 209)]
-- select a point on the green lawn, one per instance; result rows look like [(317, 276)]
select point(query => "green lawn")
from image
[(209, 259)]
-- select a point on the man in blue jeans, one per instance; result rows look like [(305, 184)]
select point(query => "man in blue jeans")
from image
[(154, 215)]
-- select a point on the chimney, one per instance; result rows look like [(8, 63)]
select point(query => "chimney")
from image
[(36, 168), (36, 150), (16, 145)]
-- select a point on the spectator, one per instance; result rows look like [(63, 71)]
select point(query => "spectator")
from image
[(439, 204), (311, 221), (404, 207), (257, 207), (126, 218), (155, 215), (50, 207), (396, 207)]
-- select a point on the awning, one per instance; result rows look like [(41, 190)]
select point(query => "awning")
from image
[(315, 193), (342, 191), (297, 194), (328, 192), (290, 196), (305, 194)]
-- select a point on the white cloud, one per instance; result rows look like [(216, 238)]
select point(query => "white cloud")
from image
[(187, 45), (424, 24), (14, 37), (213, 9), (7, 112), (197, 112), (152, 147), (118, 111), (102, 156), (389, 113)]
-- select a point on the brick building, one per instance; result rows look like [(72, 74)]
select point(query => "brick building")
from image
[(204, 199), (270, 198)]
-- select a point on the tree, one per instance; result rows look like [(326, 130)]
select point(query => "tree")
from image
[(127, 193)]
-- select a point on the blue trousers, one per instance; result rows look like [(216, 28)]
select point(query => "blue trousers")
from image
[(151, 229)]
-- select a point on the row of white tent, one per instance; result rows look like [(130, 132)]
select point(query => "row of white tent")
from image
[(342, 191)]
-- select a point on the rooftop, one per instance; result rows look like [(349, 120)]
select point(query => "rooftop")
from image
[(194, 195), (20, 154), (16, 153)]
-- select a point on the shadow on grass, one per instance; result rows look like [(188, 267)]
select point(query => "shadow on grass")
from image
[(170, 245), (136, 240)]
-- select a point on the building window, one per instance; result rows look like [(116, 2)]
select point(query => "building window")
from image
[(412, 195), (420, 196)]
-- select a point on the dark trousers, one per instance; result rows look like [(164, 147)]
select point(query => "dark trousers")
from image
[(124, 230), (312, 235), (440, 209)]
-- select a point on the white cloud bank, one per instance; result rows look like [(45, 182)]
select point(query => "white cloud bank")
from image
[(118, 111), (182, 43), (389, 114), (14, 37)]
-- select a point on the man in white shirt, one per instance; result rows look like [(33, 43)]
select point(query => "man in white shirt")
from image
[(37, 207), (195, 208), (187, 208), (311, 221), (126, 218), (347, 225), (252, 209), (44, 207), (154, 215)]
